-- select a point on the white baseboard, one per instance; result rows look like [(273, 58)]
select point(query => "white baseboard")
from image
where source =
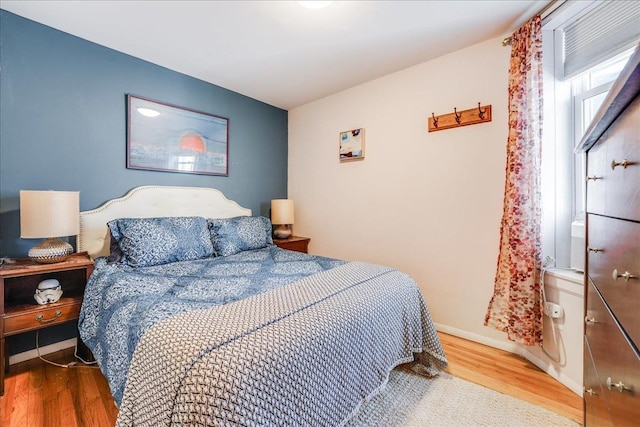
[(551, 370), (514, 348), (502, 345), (47, 349)]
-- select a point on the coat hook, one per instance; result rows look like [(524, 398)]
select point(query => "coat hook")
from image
[(481, 112), (458, 116), (435, 121)]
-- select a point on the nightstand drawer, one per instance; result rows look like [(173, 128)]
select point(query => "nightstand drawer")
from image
[(38, 317)]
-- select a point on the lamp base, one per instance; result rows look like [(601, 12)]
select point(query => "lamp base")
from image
[(50, 251), (282, 232)]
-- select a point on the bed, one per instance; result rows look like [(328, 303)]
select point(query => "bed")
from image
[(196, 318)]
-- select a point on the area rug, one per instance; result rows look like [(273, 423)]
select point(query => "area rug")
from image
[(409, 400)]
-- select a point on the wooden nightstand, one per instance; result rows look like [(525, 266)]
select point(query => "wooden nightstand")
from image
[(293, 243), (20, 313)]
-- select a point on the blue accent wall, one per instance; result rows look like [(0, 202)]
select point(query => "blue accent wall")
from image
[(63, 126)]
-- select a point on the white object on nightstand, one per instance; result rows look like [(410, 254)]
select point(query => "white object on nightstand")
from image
[(48, 291)]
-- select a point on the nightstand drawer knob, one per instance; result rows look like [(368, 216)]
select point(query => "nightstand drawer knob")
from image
[(40, 317)]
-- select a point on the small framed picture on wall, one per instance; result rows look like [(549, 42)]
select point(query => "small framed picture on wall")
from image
[(352, 145)]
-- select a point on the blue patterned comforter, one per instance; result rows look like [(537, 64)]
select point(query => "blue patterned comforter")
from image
[(306, 354), (121, 303)]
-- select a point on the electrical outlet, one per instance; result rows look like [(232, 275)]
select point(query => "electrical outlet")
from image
[(553, 310)]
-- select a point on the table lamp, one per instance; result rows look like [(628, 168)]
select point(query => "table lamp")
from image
[(282, 215), (49, 215)]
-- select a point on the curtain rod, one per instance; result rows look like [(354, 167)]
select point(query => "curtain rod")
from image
[(544, 14)]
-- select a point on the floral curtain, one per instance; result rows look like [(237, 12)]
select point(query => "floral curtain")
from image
[(516, 306)]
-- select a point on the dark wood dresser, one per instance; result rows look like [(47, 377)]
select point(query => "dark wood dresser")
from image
[(612, 273)]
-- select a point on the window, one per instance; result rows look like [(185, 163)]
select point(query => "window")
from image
[(588, 90), (585, 46)]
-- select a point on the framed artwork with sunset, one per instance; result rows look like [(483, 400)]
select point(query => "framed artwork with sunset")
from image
[(164, 137)]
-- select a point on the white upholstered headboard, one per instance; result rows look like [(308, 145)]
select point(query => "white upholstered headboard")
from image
[(149, 202)]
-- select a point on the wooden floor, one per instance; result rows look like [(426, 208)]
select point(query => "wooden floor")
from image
[(509, 374), (38, 394)]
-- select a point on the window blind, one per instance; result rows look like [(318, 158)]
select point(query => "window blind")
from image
[(600, 34)]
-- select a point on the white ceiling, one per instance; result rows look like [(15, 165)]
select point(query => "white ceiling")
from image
[(279, 52)]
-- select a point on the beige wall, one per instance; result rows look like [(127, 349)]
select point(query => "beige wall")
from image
[(428, 204)]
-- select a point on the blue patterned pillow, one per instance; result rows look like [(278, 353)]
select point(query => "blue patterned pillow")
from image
[(242, 233), (151, 241)]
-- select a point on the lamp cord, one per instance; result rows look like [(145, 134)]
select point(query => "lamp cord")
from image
[(73, 364)]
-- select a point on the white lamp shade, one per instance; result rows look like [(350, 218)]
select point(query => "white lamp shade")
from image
[(282, 211), (45, 214)]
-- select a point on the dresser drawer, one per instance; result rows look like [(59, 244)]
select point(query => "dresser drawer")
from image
[(615, 191), (39, 317), (596, 411), (614, 248), (617, 362)]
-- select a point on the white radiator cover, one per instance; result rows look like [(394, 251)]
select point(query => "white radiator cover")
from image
[(577, 245)]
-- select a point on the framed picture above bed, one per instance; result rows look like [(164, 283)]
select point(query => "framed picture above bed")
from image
[(164, 137), (352, 145)]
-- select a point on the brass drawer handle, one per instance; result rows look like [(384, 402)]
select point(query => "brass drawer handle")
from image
[(590, 320), (593, 178), (40, 317), (623, 163), (626, 275), (619, 385), (595, 250)]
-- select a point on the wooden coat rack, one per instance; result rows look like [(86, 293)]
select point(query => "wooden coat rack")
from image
[(473, 116)]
